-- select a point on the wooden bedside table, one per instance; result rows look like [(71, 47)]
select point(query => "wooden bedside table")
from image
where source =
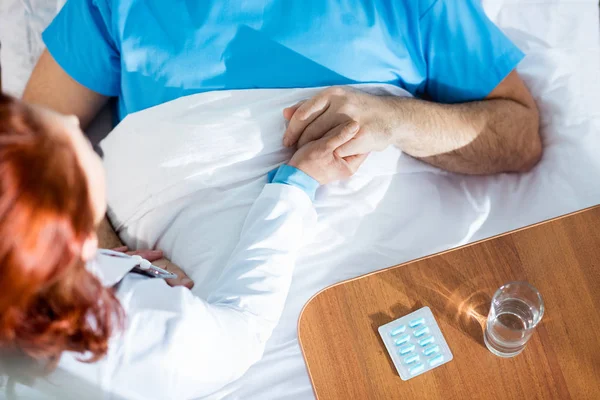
[(346, 358)]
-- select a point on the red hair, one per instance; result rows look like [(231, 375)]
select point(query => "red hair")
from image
[(49, 301)]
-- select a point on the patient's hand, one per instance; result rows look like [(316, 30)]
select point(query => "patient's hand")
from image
[(156, 258), (312, 119), (319, 158)]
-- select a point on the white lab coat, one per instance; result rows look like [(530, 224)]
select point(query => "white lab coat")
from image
[(179, 346)]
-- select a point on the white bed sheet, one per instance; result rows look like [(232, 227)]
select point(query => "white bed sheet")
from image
[(394, 210)]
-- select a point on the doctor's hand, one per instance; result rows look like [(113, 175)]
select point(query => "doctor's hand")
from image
[(312, 119), (156, 258), (320, 160)]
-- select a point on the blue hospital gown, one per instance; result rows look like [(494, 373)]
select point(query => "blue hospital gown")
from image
[(147, 52)]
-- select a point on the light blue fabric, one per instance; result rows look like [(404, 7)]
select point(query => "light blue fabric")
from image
[(288, 175), (152, 51)]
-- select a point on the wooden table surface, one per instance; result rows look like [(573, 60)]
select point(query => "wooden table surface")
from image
[(346, 358)]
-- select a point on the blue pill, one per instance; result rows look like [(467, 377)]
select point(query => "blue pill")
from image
[(426, 341), (421, 331), (411, 359), (416, 322), (416, 369), (431, 350), (436, 360), (407, 348), (398, 330), (402, 339)]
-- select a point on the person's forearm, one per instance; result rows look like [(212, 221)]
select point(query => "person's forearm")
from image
[(258, 274), (107, 237), (481, 137)]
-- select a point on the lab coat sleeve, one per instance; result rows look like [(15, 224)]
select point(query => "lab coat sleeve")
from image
[(199, 346)]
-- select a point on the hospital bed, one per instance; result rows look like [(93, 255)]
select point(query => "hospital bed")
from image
[(562, 68)]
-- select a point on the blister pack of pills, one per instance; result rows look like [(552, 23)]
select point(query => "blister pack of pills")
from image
[(415, 343)]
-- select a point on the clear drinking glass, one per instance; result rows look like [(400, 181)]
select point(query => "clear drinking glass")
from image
[(517, 308)]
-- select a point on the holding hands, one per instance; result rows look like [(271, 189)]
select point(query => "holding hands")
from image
[(331, 110), (319, 158)]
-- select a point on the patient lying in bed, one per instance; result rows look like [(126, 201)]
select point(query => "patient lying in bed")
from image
[(61, 302), (202, 199)]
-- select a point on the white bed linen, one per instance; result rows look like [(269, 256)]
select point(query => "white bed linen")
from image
[(21, 26), (182, 176)]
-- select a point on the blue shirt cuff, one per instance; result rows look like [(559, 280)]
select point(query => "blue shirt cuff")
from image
[(287, 175)]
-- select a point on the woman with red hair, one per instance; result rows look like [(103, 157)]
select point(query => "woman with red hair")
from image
[(66, 307)]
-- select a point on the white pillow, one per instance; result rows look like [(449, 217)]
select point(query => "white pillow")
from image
[(21, 25)]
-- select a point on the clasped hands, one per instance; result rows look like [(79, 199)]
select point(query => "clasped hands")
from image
[(328, 111), (334, 132)]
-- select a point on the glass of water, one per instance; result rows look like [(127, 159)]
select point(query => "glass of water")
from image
[(517, 308)]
